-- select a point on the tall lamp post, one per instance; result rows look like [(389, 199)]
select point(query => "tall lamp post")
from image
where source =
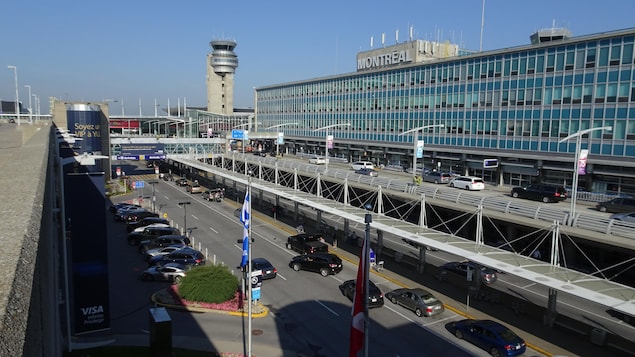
[(415, 139), (576, 166), (17, 93), (326, 147), (184, 205), (277, 139), (30, 107), (154, 197)]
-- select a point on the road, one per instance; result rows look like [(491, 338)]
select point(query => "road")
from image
[(308, 313)]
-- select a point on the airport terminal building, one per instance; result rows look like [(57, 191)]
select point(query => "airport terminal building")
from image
[(515, 105)]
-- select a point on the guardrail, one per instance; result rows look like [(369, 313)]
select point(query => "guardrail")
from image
[(516, 207)]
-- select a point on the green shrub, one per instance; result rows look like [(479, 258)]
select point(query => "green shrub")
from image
[(211, 284)]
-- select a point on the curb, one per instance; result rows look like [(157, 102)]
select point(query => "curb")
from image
[(264, 313)]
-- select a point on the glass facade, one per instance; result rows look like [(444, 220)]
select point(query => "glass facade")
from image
[(514, 104)]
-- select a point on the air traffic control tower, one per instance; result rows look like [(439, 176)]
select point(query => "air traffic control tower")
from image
[(221, 65)]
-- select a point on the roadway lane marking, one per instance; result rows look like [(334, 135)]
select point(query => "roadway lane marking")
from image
[(327, 308), (213, 230), (194, 217)]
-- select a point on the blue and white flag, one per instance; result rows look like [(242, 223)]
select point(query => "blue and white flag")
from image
[(245, 220)]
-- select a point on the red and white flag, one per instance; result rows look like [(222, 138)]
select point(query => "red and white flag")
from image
[(359, 312)]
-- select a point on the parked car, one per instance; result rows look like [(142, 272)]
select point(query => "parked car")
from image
[(324, 263), (122, 213), (617, 205), (267, 269), (626, 217), (418, 300), (437, 177), (140, 229), (491, 336), (367, 172), (169, 272), (375, 296), (488, 275), (135, 216), (544, 192), (181, 182), (469, 183), (163, 241), (151, 232), (216, 194), (167, 177), (162, 251), (183, 256), (115, 207), (316, 160), (194, 188), (362, 165), (131, 226)]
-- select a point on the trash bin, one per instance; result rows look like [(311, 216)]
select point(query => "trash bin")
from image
[(160, 332), (598, 337)]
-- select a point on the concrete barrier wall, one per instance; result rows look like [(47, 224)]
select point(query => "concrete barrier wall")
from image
[(24, 329)]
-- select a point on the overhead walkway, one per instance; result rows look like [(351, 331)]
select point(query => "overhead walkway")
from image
[(613, 295)]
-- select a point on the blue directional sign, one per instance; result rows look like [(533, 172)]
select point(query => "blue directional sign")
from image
[(139, 184), (239, 134)]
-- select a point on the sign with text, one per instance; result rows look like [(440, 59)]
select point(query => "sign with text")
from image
[(419, 149)]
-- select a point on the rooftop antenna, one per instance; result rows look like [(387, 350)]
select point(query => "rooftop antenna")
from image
[(411, 32), (397, 36), (383, 39), (482, 25), (371, 42)]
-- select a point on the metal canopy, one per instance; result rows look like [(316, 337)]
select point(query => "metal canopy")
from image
[(613, 295)]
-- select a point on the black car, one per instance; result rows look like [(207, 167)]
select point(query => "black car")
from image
[(181, 182), (489, 335), (162, 241), (184, 256), (135, 216), (488, 275), (375, 296), (324, 263), (131, 226), (617, 205), (124, 212), (267, 269), (151, 232), (541, 192), (115, 207)]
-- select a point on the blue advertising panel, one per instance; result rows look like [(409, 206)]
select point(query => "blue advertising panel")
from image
[(142, 152), (87, 234)]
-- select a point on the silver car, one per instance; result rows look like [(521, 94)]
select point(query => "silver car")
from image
[(169, 272), (162, 251), (437, 177), (418, 300), (624, 217)]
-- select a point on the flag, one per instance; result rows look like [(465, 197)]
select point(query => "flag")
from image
[(245, 220), (359, 312)]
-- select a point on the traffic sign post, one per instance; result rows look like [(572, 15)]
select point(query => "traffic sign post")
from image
[(490, 163)]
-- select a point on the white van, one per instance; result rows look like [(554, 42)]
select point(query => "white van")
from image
[(358, 165), (468, 183)]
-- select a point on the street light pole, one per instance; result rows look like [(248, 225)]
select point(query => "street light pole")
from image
[(30, 108), (326, 147), (368, 219), (415, 138), (278, 139), (576, 167), (154, 198), (184, 205), (17, 94)]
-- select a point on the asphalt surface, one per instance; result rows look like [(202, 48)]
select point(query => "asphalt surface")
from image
[(542, 340)]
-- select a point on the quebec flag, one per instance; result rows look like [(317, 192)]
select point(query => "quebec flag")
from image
[(245, 220)]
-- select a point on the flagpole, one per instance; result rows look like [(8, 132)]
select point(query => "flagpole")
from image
[(368, 219), (249, 298)]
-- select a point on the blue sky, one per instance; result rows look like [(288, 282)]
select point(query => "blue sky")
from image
[(146, 50)]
